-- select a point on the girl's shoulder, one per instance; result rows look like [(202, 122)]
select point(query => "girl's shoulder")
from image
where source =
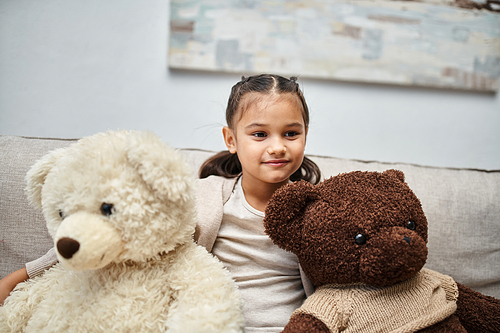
[(215, 187)]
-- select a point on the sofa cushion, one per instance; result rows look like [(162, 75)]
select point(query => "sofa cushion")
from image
[(461, 205)]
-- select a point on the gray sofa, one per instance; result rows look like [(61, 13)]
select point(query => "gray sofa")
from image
[(462, 207)]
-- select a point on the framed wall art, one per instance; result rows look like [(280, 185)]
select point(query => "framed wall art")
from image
[(431, 43)]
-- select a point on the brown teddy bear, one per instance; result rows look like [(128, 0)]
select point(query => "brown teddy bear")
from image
[(361, 238)]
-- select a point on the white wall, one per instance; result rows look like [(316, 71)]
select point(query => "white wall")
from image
[(72, 68)]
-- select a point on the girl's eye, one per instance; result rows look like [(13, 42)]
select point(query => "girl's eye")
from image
[(259, 134), (291, 134), (107, 209)]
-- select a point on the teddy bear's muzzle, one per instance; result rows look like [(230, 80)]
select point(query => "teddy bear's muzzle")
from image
[(86, 241), (392, 255)]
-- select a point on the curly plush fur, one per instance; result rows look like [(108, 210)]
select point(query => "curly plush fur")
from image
[(120, 208), (363, 236)]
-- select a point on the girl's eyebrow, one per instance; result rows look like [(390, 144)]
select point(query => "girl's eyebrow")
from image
[(295, 125), (252, 125)]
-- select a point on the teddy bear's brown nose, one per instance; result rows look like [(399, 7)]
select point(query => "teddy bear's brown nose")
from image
[(67, 247)]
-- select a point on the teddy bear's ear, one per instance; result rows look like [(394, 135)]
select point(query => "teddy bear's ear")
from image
[(35, 177), (284, 216), (161, 167), (395, 173)]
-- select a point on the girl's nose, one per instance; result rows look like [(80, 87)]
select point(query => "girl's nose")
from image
[(278, 148)]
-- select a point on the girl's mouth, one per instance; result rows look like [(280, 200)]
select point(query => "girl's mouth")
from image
[(276, 163)]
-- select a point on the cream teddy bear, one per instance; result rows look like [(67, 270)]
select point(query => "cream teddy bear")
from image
[(120, 208)]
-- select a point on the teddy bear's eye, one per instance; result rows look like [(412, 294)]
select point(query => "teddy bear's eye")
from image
[(360, 239), (411, 225), (107, 209), (62, 215)]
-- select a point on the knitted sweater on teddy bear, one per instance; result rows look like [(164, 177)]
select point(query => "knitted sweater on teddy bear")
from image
[(408, 306)]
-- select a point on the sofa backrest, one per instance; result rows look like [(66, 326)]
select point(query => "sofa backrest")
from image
[(462, 207)]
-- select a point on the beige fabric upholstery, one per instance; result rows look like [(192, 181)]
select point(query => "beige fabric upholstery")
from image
[(23, 236), (462, 208)]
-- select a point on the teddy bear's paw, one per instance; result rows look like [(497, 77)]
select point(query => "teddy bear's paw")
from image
[(449, 325), (302, 322), (217, 323), (211, 316), (207, 315)]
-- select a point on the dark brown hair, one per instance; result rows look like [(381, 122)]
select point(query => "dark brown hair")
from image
[(228, 165)]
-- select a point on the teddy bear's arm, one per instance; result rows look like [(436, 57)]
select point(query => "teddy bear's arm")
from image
[(477, 312), (305, 323), (19, 307), (206, 299)]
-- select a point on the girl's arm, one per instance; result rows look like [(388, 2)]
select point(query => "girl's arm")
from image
[(32, 269), (8, 283)]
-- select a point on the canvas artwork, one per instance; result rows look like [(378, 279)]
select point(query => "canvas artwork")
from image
[(432, 43)]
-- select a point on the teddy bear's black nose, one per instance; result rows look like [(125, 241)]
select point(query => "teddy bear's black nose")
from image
[(67, 247), (407, 239)]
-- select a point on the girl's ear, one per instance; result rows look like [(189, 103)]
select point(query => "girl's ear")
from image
[(284, 218), (229, 139), (36, 175)]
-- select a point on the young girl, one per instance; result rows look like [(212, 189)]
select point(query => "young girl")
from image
[(267, 123)]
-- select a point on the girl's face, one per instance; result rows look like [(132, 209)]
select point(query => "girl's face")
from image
[(269, 137)]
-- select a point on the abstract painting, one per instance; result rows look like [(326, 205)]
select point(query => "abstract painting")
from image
[(431, 43)]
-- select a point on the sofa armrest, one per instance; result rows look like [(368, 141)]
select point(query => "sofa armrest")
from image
[(23, 234)]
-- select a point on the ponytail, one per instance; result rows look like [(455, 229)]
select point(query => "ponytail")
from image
[(228, 165), (222, 164), (308, 171)]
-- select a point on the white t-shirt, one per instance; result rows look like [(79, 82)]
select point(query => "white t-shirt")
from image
[(268, 277)]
